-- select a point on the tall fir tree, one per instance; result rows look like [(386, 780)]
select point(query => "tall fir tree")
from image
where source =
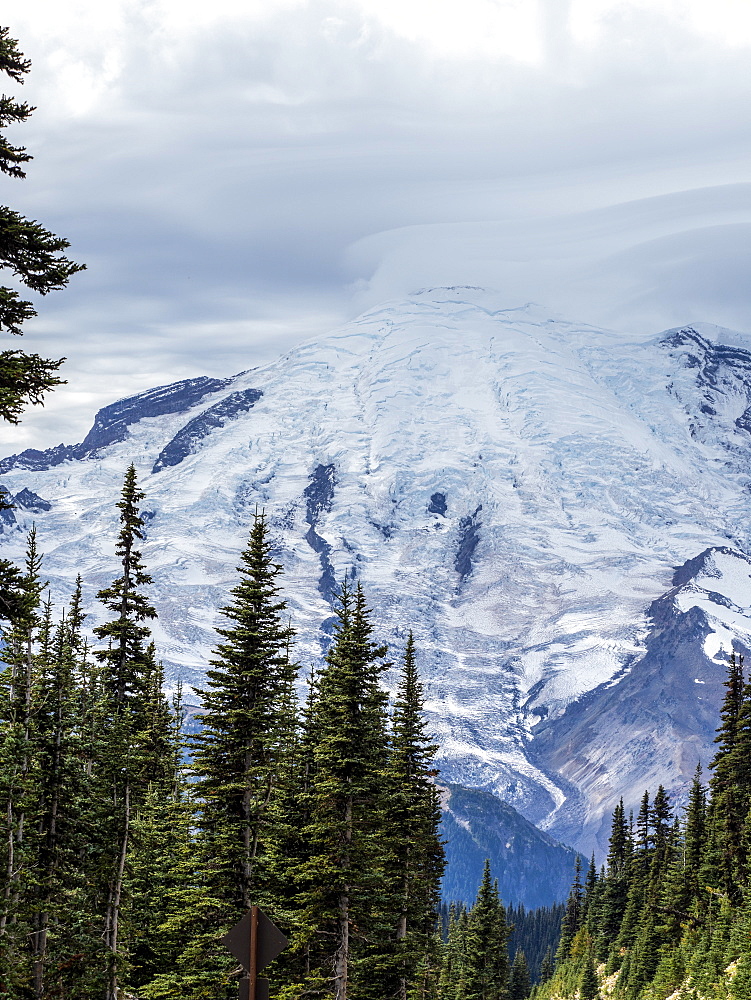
[(124, 766), (20, 777), (486, 974), (572, 918), (247, 719), (349, 893), (726, 815), (520, 985), (417, 859), (32, 254)]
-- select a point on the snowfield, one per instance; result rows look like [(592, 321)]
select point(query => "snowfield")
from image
[(515, 488)]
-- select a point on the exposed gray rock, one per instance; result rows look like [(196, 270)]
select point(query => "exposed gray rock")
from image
[(31, 502), (437, 504), (184, 443), (112, 422), (319, 496), (659, 718), (469, 536)]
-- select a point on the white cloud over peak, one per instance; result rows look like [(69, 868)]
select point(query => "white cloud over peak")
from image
[(240, 175)]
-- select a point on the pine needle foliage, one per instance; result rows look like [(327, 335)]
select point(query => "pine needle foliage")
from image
[(33, 256)]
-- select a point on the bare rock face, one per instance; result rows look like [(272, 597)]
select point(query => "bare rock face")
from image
[(531, 867), (659, 718), (517, 489)]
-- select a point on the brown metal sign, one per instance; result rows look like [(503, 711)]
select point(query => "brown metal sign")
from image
[(271, 941), (255, 942)]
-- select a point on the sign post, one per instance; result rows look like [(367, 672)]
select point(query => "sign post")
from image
[(255, 942)]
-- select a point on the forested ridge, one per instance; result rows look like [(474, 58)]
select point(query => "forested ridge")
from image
[(125, 859), (129, 849), (669, 915)]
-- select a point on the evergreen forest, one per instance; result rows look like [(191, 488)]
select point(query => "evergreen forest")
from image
[(669, 914), (129, 849)]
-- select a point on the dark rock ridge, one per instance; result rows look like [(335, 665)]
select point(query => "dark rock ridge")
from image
[(655, 718), (319, 496), (7, 516), (24, 499), (720, 369), (112, 422), (532, 869), (30, 501), (185, 441), (469, 536), (437, 504)]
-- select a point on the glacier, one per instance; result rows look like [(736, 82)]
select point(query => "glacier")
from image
[(559, 512)]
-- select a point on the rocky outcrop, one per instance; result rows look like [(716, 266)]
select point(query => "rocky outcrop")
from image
[(186, 440), (112, 422)]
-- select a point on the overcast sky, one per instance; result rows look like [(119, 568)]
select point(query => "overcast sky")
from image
[(239, 176)]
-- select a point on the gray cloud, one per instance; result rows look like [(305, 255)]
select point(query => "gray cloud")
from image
[(227, 186)]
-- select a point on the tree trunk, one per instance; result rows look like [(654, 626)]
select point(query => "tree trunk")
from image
[(341, 958), (112, 923), (401, 933)]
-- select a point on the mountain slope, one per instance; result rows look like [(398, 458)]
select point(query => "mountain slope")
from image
[(517, 489), (532, 869)]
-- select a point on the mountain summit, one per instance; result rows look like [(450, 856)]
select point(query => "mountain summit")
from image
[(559, 513)]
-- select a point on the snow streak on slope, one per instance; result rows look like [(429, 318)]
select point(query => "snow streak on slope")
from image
[(516, 489)]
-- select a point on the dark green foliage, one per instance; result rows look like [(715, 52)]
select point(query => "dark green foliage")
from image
[(240, 748), (673, 900), (417, 860), (727, 813), (241, 756), (546, 967), (486, 965), (536, 933), (32, 254), (76, 766), (573, 917), (121, 871), (589, 987), (125, 659), (519, 986), (351, 894)]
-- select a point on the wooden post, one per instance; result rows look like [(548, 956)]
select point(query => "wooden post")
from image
[(253, 970)]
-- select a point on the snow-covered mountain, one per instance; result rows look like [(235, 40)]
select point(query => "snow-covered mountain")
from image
[(560, 513)]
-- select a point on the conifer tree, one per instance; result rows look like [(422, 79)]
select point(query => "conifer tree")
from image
[(589, 987), (456, 955), (726, 815), (417, 859), (61, 834), (238, 751), (164, 845), (20, 777), (615, 888), (572, 919), (123, 764), (31, 253), (696, 834), (486, 962), (349, 898), (590, 908), (519, 982), (241, 747), (546, 968)]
